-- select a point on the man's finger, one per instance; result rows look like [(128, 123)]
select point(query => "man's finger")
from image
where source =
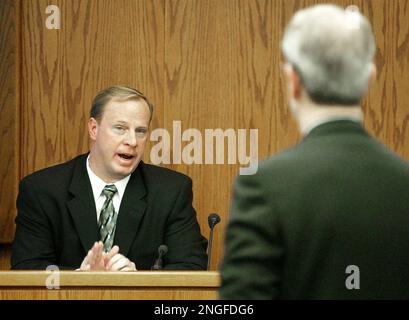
[(123, 262), (130, 267), (114, 251), (126, 269), (98, 250), (114, 260), (90, 256)]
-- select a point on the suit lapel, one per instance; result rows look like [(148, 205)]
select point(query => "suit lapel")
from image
[(131, 211), (82, 205)]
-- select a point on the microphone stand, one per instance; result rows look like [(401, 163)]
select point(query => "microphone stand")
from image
[(209, 254)]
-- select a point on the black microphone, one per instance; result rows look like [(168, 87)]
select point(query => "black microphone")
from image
[(213, 219), (162, 250)]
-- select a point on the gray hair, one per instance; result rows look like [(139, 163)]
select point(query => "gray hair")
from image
[(331, 50)]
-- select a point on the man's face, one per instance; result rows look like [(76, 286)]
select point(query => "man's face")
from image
[(119, 139)]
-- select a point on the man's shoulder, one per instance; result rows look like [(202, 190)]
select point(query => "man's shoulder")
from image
[(153, 173), (275, 168), (281, 160), (55, 173)]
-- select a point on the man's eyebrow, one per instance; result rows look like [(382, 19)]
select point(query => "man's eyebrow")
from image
[(120, 122)]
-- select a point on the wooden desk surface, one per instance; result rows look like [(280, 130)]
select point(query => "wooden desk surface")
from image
[(151, 285)]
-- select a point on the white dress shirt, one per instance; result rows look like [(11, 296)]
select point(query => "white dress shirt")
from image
[(98, 185)]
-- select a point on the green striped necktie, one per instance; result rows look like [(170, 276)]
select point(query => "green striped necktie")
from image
[(107, 218)]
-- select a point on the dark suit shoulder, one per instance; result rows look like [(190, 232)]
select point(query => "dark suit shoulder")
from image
[(54, 176), (279, 160), (163, 175)]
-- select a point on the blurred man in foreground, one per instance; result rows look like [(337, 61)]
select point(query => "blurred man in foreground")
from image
[(328, 218)]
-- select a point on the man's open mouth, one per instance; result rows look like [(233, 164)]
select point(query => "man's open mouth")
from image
[(125, 156)]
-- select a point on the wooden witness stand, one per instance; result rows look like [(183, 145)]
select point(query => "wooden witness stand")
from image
[(74, 285)]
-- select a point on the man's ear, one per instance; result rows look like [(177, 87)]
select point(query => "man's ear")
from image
[(293, 81), (92, 128), (372, 74)]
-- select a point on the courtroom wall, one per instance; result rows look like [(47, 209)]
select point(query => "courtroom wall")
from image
[(205, 64)]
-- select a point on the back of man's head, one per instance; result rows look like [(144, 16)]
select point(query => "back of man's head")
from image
[(331, 50)]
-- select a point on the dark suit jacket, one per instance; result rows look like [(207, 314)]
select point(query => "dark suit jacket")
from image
[(57, 221), (338, 198)]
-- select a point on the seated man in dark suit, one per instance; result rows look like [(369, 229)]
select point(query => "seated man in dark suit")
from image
[(107, 210), (328, 218)]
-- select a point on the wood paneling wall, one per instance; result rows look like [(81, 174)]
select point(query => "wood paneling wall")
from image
[(9, 118), (5, 253), (208, 63)]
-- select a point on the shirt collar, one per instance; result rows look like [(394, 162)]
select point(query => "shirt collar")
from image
[(98, 184)]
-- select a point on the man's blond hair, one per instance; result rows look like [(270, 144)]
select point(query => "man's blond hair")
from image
[(118, 93)]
